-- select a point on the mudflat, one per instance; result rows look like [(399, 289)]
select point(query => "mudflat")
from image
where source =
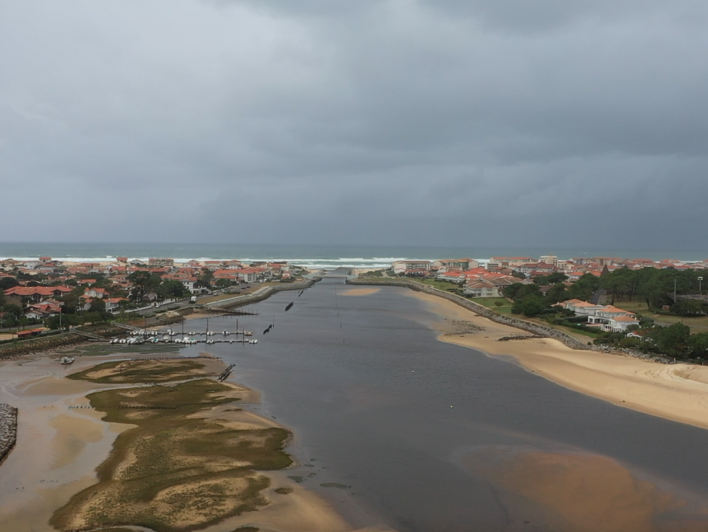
[(152, 443)]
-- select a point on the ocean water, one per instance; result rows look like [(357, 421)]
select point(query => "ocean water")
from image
[(393, 426), (328, 257)]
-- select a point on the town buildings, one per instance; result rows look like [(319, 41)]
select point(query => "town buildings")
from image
[(39, 286)]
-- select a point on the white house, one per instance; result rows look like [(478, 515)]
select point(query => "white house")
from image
[(481, 289), (403, 266), (188, 283), (607, 317), (581, 308), (100, 293), (454, 264), (620, 323), (606, 313), (112, 303), (452, 277)]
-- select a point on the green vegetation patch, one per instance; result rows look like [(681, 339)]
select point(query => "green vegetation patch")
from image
[(174, 471), (142, 371), (334, 485), (498, 304), (440, 285)]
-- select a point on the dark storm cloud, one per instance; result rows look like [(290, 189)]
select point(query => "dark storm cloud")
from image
[(475, 122)]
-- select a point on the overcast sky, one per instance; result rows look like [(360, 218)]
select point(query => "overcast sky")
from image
[(470, 122)]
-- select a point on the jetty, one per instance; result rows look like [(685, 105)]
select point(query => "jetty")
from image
[(259, 295)]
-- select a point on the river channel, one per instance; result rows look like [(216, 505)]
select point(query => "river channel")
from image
[(397, 428)]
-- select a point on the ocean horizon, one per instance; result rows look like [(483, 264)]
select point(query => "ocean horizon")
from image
[(312, 256)]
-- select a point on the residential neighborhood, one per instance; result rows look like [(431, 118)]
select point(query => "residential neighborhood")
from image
[(34, 291), (605, 298)]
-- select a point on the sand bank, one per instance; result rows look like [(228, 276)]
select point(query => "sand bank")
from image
[(581, 492), (678, 392), (359, 292)]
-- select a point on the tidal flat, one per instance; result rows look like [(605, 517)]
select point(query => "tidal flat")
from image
[(170, 446)]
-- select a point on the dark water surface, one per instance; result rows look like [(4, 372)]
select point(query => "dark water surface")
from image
[(380, 406)]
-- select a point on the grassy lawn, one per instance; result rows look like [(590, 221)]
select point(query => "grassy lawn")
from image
[(221, 297), (578, 334), (440, 285), (491, 302), (174, 471)]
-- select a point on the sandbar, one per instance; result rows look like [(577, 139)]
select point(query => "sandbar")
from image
[(359, 292), (559, 491)]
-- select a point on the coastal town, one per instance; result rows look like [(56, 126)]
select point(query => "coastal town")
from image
[(609, 300), (38, 292), (655, 306)]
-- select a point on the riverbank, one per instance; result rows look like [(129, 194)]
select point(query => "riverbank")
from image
[(78, 434), (678, 392)]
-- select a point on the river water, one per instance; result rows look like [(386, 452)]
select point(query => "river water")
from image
[(420, 435)]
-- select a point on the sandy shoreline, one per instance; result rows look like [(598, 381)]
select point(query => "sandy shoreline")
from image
[(677, 392), (61, 441)]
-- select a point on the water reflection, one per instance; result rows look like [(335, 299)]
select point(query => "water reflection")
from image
[(368, 390), (560, 491)]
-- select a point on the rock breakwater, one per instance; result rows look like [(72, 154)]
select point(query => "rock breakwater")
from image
[(260, 294), (8, 429)]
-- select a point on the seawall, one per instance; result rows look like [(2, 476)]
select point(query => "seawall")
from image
[(260, 294), (8, 429)]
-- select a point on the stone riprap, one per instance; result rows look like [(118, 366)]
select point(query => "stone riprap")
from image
[(14, 350), (260, 294), (8, 429)]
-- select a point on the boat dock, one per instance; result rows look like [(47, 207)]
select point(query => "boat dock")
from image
[(148, 336)]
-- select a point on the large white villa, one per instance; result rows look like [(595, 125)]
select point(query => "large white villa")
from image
[(605, 317)]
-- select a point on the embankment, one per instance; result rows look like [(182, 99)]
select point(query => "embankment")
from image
[(260, 294), (8, 429), (40, 343)]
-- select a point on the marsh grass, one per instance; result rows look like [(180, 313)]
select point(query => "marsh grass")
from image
[(141, 371), (174, 471)]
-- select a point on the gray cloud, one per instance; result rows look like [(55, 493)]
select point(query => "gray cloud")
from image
[(384, 122)]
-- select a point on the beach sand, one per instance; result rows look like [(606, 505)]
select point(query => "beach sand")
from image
[(677, 392), (61, 440)]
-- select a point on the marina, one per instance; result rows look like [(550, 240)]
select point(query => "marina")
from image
[(169, 336)]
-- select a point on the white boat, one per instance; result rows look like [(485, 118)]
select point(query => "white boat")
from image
[(66, 360)]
